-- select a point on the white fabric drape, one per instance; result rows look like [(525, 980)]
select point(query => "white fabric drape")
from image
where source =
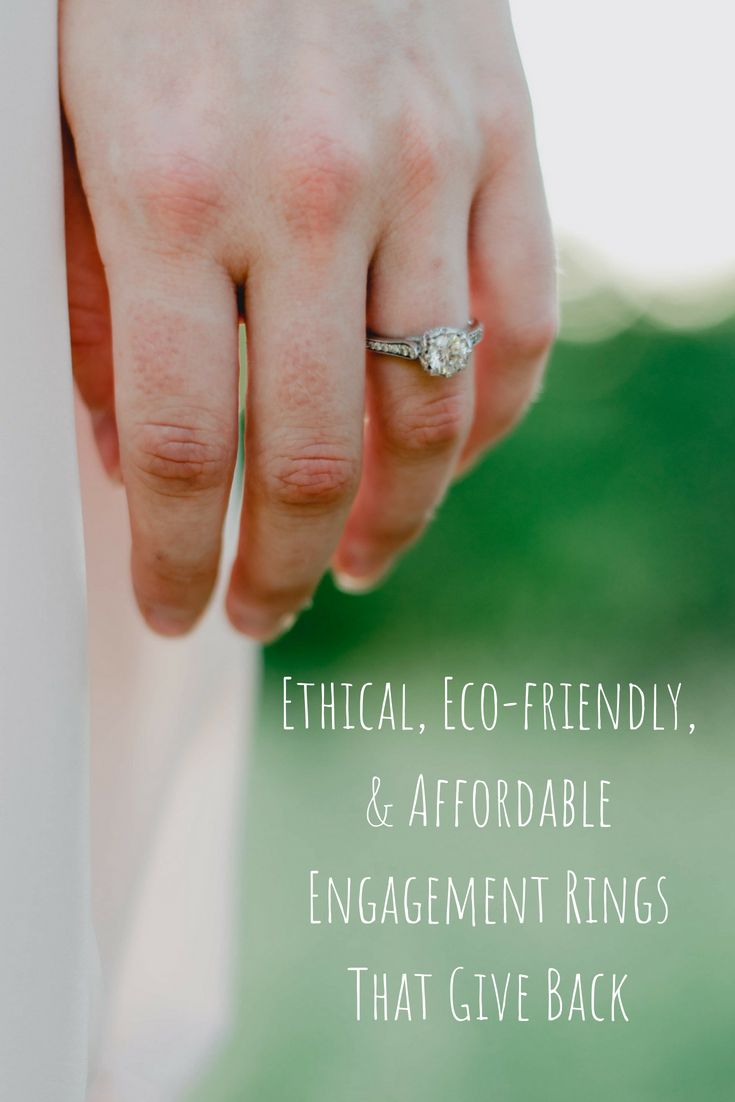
[(115, 971)]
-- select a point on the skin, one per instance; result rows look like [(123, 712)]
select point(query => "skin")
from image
[(369, 164)]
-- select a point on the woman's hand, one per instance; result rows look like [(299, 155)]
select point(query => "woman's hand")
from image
[(350, 164)]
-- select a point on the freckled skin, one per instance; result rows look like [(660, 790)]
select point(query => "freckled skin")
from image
[(345, 167)]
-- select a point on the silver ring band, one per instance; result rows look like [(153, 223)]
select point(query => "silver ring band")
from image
[(444, 351)]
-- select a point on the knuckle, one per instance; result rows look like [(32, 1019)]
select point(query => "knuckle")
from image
[(318, 181), (423, 155), (177, 196), (509, 409), (506, 120), (316, 477), (180, 458), (530, 337), (506, 414), (438, 424), (436, 148)]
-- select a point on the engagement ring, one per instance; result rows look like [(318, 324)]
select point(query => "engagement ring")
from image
[(443, 351)]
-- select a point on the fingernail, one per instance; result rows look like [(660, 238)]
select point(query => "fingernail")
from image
[(104, 428), (259, 625), (284, 625), (349, 583), (166, 621), (355, 570)]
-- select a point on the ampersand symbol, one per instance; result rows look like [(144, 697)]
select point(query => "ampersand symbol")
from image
[(374, 816)]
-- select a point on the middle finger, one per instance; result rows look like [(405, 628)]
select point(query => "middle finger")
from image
[(303, 436)]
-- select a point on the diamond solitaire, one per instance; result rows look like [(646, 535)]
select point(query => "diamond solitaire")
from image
[(443, 351)]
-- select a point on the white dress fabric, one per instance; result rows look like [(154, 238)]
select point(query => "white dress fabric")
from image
[(120, 753)]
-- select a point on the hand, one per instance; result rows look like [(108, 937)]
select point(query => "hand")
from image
[(350, 165)]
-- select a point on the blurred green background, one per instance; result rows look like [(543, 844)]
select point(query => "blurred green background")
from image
[(596, 544)]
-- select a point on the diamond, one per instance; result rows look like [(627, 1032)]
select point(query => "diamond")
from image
[(445, 351)]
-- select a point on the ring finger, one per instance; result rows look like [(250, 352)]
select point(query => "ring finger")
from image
[(417, 423)]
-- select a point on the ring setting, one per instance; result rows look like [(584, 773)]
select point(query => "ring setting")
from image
[(443, 351)]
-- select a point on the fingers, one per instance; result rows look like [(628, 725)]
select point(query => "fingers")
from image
[(176, 388), (417, 423), (175, 344), (513, 288), (303, 432), (89, 315)]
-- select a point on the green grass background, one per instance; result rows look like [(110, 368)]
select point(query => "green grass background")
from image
[(596, 544)]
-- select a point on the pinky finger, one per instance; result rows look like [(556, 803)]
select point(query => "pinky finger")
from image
[(513, 289)]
